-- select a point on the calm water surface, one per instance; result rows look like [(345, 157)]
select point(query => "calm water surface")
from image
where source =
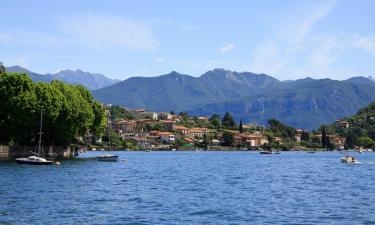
[(192, 188)]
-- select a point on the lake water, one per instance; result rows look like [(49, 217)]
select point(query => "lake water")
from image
[(192, 188)]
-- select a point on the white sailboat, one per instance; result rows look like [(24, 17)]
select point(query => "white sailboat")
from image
[(108, 157), (37, 157)]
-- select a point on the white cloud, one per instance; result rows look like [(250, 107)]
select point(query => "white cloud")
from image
[(366, 43), (159, 60), (286, 49), (227, 48), (310, 19), (294, 48), (109, 31)]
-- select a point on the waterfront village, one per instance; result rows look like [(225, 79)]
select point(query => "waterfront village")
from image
[(138, 129)]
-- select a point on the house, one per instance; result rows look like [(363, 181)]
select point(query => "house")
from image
[(298, 134), (254, 140), (203, 118), (165, 116), (336, 140), (182, 130), (342, 123), (170, 124), (197, 132), (142, 143), (166, 137), (148, 115), (215, 142), (124, 126), (138, 110)]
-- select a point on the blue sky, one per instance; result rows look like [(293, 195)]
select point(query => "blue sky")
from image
[(285, 39)]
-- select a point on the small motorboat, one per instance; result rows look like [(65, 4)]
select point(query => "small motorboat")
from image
[(269, 152), (34, 160), (107, 158), (349, 159)]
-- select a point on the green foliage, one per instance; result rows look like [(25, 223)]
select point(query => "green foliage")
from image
[(119, 113), (2, 68), (325, 138), (68, 111), (202, 123), (215, 121), (366, 142), (240, 127), (281, 130), (361, 129), (180, 142), (158, 127), (228, 121), (305, 136), (228, 139)]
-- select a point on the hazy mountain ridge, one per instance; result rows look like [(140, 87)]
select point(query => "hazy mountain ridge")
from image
[(305, 103), (92, 81), (179, 92)]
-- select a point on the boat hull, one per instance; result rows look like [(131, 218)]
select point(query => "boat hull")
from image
[(29, 162), (113, 158), (269, 152)]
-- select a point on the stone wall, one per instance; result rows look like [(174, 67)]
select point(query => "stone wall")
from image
[(12, 152)]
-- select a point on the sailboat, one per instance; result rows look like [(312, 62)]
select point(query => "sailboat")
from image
[(37, 157), (108, 157)]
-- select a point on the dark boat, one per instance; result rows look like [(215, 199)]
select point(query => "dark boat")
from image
[(108, 158), (268, 152)]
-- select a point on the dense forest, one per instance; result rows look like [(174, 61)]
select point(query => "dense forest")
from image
[(69, 111)]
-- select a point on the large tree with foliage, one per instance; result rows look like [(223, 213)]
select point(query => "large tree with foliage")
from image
[(281, 130), (215, 121), (324, 138), (228, 139), (2, 68), (228, 121), (68, 111), (240, 127)]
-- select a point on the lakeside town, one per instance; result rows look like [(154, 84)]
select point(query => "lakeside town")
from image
[(139, 129)]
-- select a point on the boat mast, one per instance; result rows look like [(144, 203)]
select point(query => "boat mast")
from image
[(40, 152)]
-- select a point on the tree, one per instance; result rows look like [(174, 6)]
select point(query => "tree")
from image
[(2, 68), (349, 142), (305, 136), (366, 142), (281, 130), (240, 128), (228, 121), (206, 141), (228, 139), (172, 112), (324, 137), (215, 121), (69, 111)]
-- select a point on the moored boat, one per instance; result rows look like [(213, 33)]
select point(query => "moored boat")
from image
[(37, 157), (269, 152), (108, 158), (34, 160)]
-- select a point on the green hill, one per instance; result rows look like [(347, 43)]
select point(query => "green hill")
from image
[(361, 130)]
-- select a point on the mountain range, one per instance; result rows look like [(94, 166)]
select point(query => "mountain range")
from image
[(305, 103), (91, 81)]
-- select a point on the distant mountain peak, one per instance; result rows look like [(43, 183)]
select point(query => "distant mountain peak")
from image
[(90, 80)]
